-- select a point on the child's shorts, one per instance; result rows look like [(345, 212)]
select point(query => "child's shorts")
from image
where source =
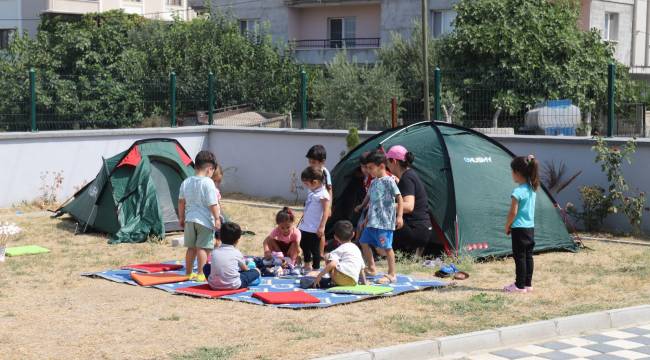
[(198, 236), (378, 238)]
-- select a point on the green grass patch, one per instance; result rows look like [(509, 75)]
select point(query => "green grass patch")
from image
[(480, 303), (300, 332), (208, 353), (412, 325)]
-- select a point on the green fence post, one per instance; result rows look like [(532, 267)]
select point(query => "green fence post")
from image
[(172, 98), (210, 98), (437, 94), (611, 106), (303, 99), (32, 98)]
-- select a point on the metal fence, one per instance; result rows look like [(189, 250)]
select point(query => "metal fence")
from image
[(489, 103)]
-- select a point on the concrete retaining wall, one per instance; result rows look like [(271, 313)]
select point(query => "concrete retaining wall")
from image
[(258, 161)]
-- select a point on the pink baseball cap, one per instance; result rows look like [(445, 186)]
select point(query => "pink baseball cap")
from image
[(397, 152)]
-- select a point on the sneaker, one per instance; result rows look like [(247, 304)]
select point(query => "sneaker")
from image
[(529, 289), (200, 278), (513, 289), (193, 276)]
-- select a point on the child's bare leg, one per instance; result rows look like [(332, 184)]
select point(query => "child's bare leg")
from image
[(367, 256), (189, 260), (294, 251), (390, 256), (202, 259)]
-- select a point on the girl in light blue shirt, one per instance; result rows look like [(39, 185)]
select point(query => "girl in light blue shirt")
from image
[(521, 221)]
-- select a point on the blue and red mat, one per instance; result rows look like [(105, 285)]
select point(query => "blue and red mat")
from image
[(404, 284)]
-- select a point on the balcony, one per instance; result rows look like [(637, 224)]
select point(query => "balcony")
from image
[(72, 6), (336, 44), (321, 51), (313, 3)]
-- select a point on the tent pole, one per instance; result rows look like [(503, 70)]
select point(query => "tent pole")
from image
[(402, 130)]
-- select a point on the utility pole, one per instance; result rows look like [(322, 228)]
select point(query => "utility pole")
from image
[(425, 60)]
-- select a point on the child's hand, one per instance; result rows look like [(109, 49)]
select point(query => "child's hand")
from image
[(181, 222), (508, 230), (357, 208), (320, 232), (399, 222), (317, 281)]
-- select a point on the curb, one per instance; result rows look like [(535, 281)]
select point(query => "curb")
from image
[(505, 336)]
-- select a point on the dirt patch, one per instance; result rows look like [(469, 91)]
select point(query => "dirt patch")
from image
[(48, 311)]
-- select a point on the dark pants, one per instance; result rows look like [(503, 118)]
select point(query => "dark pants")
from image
[(413, 235), (310, 245), (246, 277), (523, 242)]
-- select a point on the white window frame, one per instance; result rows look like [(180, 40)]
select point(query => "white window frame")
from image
[(251, 28), (610, 28), (438, 29)]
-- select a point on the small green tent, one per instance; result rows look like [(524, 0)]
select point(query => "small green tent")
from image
[(468, 180), (135, 193)]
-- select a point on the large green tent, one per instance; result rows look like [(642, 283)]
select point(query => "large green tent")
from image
[(135, 193), (468, 180)]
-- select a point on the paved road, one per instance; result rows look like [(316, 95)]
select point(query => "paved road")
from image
[(630, 343)]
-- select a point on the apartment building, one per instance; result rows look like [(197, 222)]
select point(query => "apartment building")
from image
[(623, 23), (319, 29), (18, 16)]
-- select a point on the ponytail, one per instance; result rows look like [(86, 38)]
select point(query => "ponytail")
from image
[(528, 167), (284, 215)]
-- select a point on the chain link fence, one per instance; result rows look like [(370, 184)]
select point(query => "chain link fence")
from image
[(488, 103)]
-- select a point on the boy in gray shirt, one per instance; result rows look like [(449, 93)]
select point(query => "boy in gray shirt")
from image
[(228, 269), (198, 213)]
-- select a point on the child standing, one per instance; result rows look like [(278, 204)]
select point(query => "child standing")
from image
[(316, 157), (521, 221), (228, 269), (217, 177), (198, 209), (383, 216), (345, 263), (312, 225), (284, 238)]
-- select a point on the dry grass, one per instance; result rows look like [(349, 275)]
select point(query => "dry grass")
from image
[(48, 311)]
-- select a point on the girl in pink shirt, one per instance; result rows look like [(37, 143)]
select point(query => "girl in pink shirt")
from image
[(285, 237)]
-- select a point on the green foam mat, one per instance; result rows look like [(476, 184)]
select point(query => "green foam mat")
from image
[(26, 250), (361, 290)]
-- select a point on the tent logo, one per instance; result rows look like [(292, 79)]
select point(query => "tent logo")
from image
[(477, 246), (478, 159), (93, 191)]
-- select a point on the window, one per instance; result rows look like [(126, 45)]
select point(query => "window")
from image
[(5, 37), (249, 26), (442, 22), (175, 2), (610, 31), (342, 32)]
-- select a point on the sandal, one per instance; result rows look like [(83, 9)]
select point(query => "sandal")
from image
[(385, 280), (368, 273), (461, 275)]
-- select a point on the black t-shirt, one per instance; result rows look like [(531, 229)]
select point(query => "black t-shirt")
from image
[(410, 184)]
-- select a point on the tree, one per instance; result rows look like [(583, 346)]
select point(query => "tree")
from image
[(403, 57), (509, 55), (354, 94)]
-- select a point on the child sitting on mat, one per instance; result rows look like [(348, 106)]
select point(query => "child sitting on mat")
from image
[(344, 264), (228, 269), (284, 238), (198, 213)]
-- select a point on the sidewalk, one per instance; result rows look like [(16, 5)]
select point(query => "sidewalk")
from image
[(627, 343)]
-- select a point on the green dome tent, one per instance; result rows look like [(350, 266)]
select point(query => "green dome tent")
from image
[(468, 180), (135, 193)]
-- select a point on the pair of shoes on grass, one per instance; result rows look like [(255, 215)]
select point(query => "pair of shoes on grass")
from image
[(512, 288)]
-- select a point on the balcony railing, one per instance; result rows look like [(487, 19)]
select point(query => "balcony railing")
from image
[(326, 2), (335, 44)]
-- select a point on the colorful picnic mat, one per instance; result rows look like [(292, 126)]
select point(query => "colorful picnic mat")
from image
[(403, 285)]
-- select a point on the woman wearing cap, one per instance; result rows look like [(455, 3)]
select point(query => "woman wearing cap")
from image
[(415, 235)]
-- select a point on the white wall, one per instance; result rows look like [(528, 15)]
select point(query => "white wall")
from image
[(24, 157), (260, 161)]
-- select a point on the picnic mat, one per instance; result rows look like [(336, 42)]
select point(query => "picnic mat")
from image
[(26, 250), (403, 285)]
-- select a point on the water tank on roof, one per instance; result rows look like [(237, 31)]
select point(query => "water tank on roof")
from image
[(554, 117)]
